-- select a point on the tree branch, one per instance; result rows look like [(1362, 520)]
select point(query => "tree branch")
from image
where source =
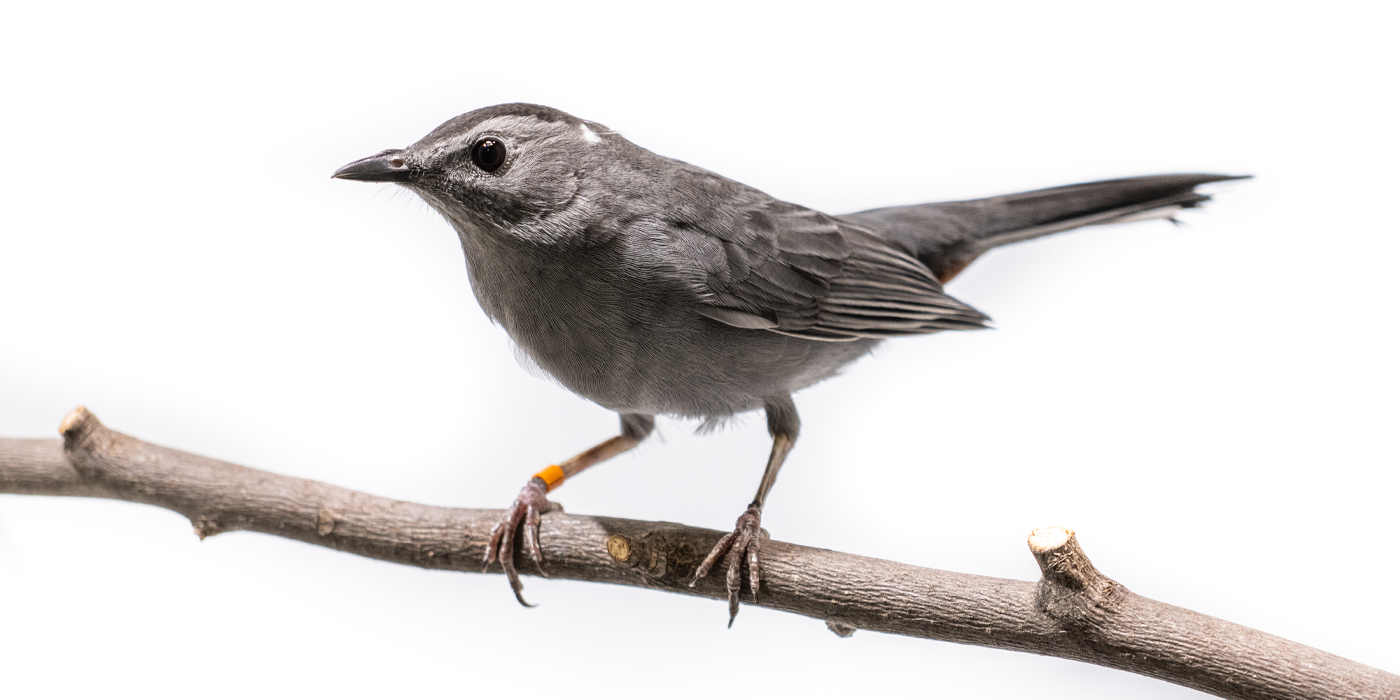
[(1073, 612)]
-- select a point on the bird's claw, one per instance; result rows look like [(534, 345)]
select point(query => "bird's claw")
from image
[(740, 545), (527, 509)]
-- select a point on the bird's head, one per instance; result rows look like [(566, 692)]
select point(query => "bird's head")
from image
[(516, 170)]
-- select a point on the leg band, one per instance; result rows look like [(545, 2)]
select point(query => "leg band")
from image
[(552, 476)]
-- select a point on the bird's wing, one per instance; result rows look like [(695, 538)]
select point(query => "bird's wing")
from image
[(771, 265)]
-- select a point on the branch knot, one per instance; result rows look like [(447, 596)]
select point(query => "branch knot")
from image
[(206, 526)]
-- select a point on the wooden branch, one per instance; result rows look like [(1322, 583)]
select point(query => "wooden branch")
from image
[(1073, 612)]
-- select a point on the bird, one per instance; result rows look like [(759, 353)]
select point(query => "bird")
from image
[(651, 286)]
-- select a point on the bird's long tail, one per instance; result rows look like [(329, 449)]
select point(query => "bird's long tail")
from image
[(947, 236)]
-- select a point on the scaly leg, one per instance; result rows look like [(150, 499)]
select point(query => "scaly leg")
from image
[(531, 503), (743, 543)]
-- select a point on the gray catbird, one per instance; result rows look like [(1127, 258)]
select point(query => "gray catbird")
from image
[(651, 286)]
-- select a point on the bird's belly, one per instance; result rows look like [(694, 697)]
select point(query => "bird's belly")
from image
[(675, 362), (635, 346)]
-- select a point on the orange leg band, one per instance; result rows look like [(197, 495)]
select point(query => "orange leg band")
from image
[(552, 476)]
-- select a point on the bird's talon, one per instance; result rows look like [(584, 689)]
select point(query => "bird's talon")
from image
[(526, 510), (740, 546)]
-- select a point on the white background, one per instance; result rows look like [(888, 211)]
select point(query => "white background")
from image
[(1212, 407)]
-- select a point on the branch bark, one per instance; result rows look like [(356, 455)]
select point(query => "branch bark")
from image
[(1073, 612)]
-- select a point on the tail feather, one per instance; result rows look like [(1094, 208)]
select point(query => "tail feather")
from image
[(947, 236)]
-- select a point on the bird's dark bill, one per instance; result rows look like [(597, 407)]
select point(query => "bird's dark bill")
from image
[(386, 166)]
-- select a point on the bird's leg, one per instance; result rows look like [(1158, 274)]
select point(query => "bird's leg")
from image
[(531, 503), (742, 545)]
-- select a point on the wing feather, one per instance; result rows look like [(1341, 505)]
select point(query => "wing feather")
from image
[(776, 266)]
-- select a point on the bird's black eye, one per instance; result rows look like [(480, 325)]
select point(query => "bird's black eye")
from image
[(489, 154)]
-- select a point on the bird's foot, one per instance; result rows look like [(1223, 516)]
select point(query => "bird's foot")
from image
[(527, 508), (740, 545)]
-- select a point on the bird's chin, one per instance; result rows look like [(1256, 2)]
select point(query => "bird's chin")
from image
[(460, 217)]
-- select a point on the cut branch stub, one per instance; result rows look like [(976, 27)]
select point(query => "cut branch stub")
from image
[(1071, 589), (1061, 560), (77, 431)]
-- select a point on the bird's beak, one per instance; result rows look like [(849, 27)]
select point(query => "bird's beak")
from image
[(385, 166)]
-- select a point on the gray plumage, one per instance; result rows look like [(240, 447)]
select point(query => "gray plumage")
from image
[(652, 286), (649, 285)]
